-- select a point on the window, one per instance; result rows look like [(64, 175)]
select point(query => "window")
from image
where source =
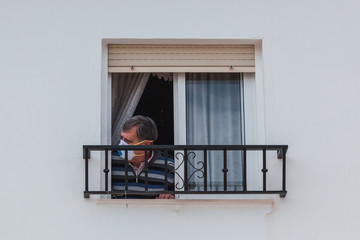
[(223, 70), (213, 109), (213, 106), (214, 116)]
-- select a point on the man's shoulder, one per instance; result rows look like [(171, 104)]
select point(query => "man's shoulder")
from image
[(160, 155), (160, 159)]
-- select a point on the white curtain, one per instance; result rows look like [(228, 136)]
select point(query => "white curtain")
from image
[(126, 91), (214, 117), (165, 76)]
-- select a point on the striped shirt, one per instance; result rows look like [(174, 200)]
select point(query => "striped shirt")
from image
[(156, 174)]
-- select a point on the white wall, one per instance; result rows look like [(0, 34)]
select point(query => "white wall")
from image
[(50, 72)]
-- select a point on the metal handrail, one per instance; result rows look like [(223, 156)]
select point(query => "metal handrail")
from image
[(281, 153)]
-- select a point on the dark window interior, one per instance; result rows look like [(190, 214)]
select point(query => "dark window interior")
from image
[(157, 103)]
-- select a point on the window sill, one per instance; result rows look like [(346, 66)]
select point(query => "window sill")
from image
[(183, 202)]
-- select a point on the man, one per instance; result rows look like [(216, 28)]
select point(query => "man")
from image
[(141, 130)]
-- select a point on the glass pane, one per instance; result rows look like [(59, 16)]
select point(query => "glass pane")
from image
[(214, 117)]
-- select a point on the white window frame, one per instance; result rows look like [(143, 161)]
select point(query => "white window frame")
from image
[(251, 131), (253, 98)]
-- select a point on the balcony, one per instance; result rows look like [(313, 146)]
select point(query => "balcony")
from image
[(192, 162)]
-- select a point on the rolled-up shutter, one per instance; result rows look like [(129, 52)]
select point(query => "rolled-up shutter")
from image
[(181, 58)]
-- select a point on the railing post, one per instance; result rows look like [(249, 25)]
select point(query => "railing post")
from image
[(106, 170), (205, 170), (145, 170), (225, 170), (86, 157), (264, 170), (126, 164), (186, 170), (284, 173), (166, 170), (244, 171)]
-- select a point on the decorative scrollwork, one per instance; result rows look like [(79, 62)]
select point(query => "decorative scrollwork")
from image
[(196, 168), (176, 170)]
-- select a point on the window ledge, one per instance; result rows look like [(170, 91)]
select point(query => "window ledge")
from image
[(203, 202)]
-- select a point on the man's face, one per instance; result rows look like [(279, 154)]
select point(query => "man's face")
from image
[(131, 138)]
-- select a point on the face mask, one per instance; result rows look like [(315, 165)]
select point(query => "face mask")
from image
[(121, 153)]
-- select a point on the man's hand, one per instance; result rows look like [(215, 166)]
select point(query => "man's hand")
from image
[(165, 196)]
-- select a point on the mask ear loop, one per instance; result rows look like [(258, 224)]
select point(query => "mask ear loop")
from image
[(142, 142), (136, 155)]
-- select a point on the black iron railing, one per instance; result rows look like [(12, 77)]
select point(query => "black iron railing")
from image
[(182, 155)]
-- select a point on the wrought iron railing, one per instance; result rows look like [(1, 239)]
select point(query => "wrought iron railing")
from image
[(183, 155)]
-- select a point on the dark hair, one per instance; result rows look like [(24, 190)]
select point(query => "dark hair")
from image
[(146, 127)]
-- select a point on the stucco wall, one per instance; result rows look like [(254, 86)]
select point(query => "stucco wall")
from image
[(50, 104)]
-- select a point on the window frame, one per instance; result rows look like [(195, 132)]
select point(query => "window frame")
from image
[(257, 138)]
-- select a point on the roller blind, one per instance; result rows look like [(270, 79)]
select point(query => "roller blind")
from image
[(181, 58)]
